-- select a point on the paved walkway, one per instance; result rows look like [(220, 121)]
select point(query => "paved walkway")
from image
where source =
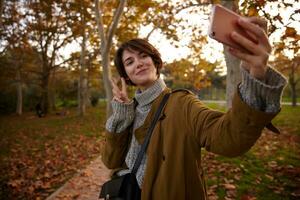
[(85, 185)]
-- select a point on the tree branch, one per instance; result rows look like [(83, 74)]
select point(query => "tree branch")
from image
[(65, 61), (58, 46), (99, 22), (149, 34), (192, 5), (114, 24)]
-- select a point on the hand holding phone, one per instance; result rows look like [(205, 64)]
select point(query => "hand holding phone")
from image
[(222, 23), (246, 37)]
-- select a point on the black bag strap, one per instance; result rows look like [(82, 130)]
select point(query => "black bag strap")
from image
[(149, 133)]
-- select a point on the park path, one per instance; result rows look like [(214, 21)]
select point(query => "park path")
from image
[(85, 185)]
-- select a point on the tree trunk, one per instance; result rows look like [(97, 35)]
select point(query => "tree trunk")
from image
[(19, 92), (294, 94), (82, 84), (293, 84), (1, 11), (106, 42), (233, 64), (44, 86), (107, 86), (51, 92)]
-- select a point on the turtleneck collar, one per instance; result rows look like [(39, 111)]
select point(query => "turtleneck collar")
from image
[(147, 96)]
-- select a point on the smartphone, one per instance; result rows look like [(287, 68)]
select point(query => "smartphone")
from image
[(222, 23)]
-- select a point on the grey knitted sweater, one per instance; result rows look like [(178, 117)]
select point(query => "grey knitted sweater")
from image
[(264, 96)]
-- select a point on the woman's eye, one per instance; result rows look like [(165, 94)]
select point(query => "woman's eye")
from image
[(129, 63)]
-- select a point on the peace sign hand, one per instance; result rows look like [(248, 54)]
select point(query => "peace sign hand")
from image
[(255, 61), (119, 95)]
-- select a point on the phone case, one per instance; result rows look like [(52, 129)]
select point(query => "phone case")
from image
[(222, 23)]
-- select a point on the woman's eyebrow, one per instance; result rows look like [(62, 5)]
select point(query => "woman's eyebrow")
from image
[(128, 58)]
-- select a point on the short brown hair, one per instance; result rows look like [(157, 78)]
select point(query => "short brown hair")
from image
[(139, 45)]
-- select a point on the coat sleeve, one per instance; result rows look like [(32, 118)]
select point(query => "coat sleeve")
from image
[(115, 148), (229, 134)]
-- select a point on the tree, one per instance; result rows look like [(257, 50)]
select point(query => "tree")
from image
[(106, 43), (185, 74), (83, 82), (48, 32), (15, 47), (289, 66)]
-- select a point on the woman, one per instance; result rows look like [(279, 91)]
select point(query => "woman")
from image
[(171, 168)]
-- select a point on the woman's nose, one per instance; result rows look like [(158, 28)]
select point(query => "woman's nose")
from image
[(140, 63)]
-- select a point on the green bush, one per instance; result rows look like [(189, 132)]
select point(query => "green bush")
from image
[(69, 103)]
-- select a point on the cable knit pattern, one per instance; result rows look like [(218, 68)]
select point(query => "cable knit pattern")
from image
[(122, 117), (264, 96)]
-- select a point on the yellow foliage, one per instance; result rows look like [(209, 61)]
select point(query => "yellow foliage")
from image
[(290, 32), (186, 74), (252, 11)]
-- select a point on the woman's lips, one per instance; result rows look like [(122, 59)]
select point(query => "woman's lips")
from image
[(141, 71)]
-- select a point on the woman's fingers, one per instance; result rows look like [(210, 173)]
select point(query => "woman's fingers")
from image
[(113, 83), (256, 65), (254, 25), (257, 27), (118, 99), (241, 55), (124, 95), (260, 22), (115, 89), (124, 87), (246, 43), (255, 61), (120, 94)]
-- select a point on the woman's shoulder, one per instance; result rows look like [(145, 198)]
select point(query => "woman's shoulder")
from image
[(182, 90), (182, 93), (182, 96)]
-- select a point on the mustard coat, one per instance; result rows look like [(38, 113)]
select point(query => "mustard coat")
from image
[(173, 168)]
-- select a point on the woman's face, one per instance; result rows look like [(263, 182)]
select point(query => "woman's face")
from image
[(139, 68)]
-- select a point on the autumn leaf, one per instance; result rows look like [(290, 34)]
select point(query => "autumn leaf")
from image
[(15, 183), (290, 32), (252, 11), (216, 1), (247, 197), (229, 186), (269, 177), (261, 2)]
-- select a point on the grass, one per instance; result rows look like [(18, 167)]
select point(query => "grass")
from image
[(289, 117), (270, 170)]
